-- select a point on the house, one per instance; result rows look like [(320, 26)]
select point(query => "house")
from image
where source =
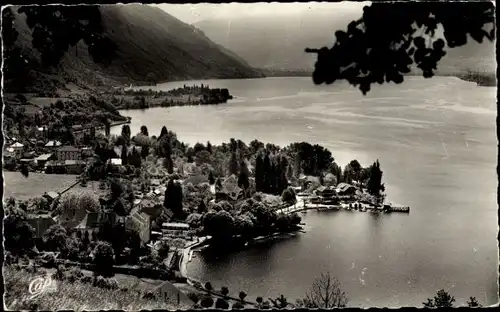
[(155, 182), (93, 220), (174, 229), (69, 153), (40, 223), (140, 222), (74, 166), (53, 145), (51, 196), (42, 160), (229, 190), (326, 192), (115, 161), (168, 292), (87, 152), (17, 148), (345, 189)]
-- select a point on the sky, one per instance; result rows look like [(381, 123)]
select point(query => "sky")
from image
[(192, 13)]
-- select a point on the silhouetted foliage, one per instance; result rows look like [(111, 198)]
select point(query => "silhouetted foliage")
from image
[(18, 233), (206, 302), (473, 303), (173, 197), (144, 130), (221, 304), (326, 292), (442, 299), (383, 44), (103, 259)]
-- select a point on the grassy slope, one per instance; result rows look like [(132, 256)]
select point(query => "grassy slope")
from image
[(76, 296)]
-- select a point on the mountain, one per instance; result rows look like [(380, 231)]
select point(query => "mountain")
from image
[(278, 41), (149, 41)]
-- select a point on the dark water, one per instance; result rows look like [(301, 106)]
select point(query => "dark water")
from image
[(436, 143)]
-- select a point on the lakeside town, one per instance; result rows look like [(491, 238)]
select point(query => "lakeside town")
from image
[(138, 219), (145, 203)]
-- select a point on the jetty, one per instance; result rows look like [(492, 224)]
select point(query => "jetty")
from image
[(391, 208)]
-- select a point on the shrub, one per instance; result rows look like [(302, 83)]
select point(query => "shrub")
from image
[(193, 296), (221, 304), (86, 280), (208, 286), (207, 302), (238, 305)]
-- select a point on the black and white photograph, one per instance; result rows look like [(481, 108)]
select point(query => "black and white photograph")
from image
[(300, 155)]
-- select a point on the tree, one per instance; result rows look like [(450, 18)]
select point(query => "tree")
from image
[(144, 131), (209, 147), (18, 233), (326, 292), (173, 197), (288, 196), (280, 303), (163, 249), (375, 185), (103, 259), (224, 291), (243, 179), (473, 303), (242, 295), (259, 173), (202, 208), (259, 301), (55, 239), (383, 44), (208, 286), (233, 164), (442, 299), (207, 302), (211, 178), (126, 135), (164, 132)]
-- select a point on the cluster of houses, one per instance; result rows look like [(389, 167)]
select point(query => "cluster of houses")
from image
[(56, 157)]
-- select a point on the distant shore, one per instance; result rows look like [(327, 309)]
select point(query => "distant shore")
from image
[(185, 96)]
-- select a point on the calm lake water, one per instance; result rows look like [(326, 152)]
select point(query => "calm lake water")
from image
[(436, 143)]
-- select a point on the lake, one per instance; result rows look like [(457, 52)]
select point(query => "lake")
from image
[(435, 139)]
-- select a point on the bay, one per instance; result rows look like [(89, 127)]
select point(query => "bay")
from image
[(435, 139)]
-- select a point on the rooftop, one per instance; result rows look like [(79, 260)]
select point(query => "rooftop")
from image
[(175, 225), (44, 157), (53, 144), (69, 148)]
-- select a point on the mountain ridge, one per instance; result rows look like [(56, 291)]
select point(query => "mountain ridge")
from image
[(282, 40), (149, 40)]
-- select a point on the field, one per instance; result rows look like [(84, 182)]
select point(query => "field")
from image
[(72, 296), (36, 184)]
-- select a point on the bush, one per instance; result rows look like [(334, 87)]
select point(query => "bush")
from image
[(207, 302), (193, 296), (238, 305), (86, 280), (221, 304), (208, 286)]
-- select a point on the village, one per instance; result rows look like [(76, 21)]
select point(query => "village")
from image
[(130, 183)]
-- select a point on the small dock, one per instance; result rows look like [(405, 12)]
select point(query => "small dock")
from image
[(404, 209)]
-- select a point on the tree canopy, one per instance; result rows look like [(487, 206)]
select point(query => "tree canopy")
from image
[(389, 38)]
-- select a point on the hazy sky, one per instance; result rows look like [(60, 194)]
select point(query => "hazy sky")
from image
[(192, 13)]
